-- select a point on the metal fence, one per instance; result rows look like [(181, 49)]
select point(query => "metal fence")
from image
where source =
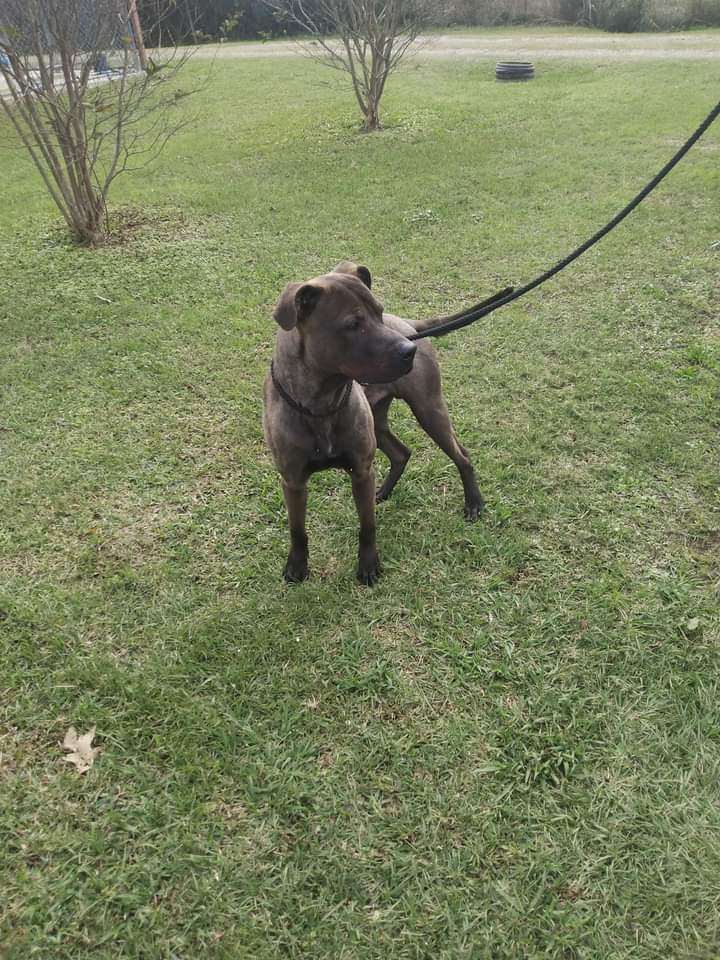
[(103, 34)]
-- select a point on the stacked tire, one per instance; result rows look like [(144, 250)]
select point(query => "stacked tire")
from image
[(514, 70)]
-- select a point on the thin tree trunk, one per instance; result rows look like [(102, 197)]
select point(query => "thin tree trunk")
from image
[(372, 117)]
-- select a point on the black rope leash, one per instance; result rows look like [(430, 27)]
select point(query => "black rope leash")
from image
[(485, 307)]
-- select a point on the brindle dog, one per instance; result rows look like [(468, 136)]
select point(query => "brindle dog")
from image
[(333, 337)]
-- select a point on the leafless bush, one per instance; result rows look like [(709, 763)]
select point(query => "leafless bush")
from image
[(84, 100), (365, 38)]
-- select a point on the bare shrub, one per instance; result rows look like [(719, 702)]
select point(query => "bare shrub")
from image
[(84, 100), (365, 38)]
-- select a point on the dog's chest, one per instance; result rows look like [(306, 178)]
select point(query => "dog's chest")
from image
[(327, 451), (324, 440)]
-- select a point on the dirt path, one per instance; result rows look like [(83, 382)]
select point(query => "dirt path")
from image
[(532, 44)]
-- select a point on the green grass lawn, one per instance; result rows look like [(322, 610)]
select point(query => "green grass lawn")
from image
[(510, 747)]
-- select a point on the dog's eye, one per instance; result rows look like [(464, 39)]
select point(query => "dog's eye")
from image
[(354, 323)]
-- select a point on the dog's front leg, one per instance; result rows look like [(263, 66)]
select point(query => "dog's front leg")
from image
[(363, 488), (296, 568)]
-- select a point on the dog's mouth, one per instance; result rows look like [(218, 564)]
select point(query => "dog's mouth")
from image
[(404, 366), (383, 376), (400, 366)]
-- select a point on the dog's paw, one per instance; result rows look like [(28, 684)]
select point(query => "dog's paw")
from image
[(368, 573), (295, 571), (382, 493), (473, 510)]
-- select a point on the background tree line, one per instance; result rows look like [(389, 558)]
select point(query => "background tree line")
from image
[(204, 20)]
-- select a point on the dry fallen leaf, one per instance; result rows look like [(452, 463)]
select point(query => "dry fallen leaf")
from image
[(83, 754)]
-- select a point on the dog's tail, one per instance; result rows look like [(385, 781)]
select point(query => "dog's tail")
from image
[(422, 325)]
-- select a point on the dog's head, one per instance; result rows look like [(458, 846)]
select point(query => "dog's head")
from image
[(341, 325)]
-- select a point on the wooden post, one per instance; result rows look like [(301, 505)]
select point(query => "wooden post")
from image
[(138, 34)]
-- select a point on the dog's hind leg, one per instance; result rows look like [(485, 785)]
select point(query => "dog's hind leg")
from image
[(395, 450), (434, 418)]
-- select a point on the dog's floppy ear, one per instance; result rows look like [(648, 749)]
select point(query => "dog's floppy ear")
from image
[(362, 273), (297, 301)]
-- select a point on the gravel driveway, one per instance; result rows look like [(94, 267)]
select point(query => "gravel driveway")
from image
[(533, 44)]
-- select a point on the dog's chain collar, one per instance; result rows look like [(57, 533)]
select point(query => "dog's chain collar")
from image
[(300, 408)]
